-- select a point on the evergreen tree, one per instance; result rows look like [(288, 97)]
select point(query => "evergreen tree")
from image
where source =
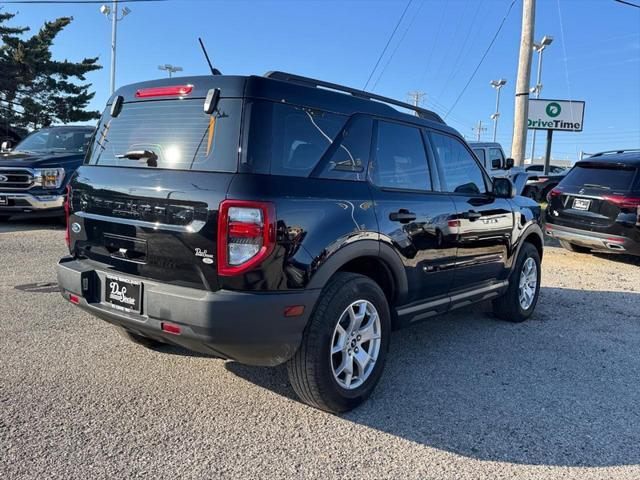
[(35, 90)]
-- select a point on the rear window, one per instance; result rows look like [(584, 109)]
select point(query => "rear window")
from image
[(601, 176), (288, 140), (178, 132)]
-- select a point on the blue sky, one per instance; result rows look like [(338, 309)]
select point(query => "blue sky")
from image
[(595, 55)]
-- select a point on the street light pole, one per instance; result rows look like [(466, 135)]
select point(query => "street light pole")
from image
[(112, 14), (497, 84), (538, 47), (114, 25)]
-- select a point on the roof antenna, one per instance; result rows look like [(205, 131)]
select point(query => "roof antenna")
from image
[(214, 71)]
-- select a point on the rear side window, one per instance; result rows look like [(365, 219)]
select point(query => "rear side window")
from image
[(288, 140), (462, 174), (349, 156), (400, 158), (178, 132), (601, 176)]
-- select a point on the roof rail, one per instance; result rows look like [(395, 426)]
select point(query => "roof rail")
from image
[(612, 152), (312, 82)]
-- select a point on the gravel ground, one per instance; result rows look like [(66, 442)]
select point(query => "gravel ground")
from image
[(463, 396)]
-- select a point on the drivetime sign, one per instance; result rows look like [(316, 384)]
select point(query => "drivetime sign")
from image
[(566, 115)]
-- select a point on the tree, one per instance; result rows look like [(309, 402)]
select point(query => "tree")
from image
[(35, 90)]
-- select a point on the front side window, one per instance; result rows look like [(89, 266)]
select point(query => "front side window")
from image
[(173, 134), (462, 174), (496, 159), (400, 158), (286, 139), (56, 140)]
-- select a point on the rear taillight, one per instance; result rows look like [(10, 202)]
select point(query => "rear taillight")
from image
[(622, 201), (246, 235), (67, 209), (171, 91), (555, 192)]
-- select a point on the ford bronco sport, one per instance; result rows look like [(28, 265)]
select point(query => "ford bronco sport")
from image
[(284, 219)]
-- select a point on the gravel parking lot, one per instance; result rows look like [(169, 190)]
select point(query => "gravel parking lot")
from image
[(463, 396)]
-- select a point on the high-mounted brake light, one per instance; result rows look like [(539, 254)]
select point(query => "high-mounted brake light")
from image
[(174, 90), (67, 209), (246, 235)]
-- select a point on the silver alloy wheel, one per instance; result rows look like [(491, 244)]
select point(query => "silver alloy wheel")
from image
[(528, 283), (355, 344)]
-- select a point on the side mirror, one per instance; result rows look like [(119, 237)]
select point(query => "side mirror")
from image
[(509, 163), (503, 188), (6, 146)]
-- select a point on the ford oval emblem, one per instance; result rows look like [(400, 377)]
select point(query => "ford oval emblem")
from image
[(3, 179), (75, 227)]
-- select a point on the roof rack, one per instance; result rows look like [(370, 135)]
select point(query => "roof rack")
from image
[(312, 82), (613, 152)]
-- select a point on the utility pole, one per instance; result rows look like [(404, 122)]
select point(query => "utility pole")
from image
[(479, 129), (521, 112), (112, 14), (538, 47), (497, 84), (416, 98), (170, 69)]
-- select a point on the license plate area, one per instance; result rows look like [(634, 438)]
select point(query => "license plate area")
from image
[(4, 200), (123, 294), (581, 204)]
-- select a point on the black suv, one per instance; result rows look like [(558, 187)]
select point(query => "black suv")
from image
[(34, 175), (283, 219), (597, 205)]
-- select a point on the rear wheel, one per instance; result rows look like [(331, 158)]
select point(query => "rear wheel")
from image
[(518, 303), (139, 339), (344, 346), (572, 247)]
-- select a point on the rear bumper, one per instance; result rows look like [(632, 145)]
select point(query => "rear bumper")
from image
[(26, 203), (247, 327), (601, 242)]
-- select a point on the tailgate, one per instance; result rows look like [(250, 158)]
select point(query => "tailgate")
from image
[(160, 225)]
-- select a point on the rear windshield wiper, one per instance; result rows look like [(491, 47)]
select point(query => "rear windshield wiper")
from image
[(149, 155), (595, 185)]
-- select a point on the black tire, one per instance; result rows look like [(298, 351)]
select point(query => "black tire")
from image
[(139, 339), (310, 370), (572, 247), (508, 307)]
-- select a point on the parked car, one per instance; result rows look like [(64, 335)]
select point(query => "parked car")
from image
[(284, 219), (538, 185), (493, 159), (596, 207), (34, 175)]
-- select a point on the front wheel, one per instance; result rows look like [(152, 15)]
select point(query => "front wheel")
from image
[(344, 346), (518, 303)]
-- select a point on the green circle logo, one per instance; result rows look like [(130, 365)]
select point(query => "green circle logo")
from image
[(553, 109)]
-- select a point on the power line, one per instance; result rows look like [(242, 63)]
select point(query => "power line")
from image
[(482, 59), (627, 3), (71, 2), (415, 15), (388, 42)]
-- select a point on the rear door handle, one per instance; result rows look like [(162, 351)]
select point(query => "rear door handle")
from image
[(472, 215), (402, 216)]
